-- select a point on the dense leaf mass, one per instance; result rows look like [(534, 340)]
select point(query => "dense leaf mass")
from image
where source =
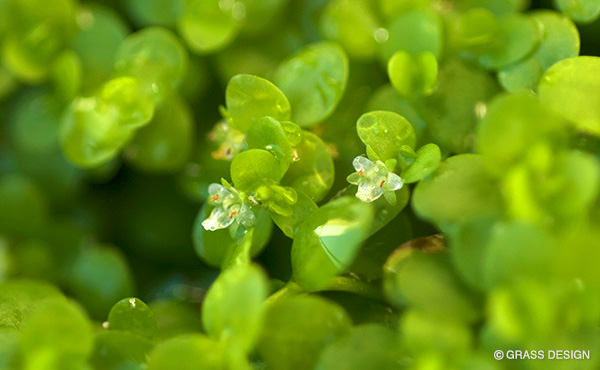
[(299, 184)]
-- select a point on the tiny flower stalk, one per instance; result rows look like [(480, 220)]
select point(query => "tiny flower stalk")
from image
[(374, 179), (230, 209)]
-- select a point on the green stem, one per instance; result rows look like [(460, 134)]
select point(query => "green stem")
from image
[(240, 255)]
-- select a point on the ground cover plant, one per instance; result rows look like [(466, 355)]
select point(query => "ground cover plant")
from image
[(299, 184)]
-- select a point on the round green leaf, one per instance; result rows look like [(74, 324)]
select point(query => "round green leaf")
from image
[(206, 26), (175, 317), (312, 170), (571, 88), (60, 326), (302, 209), (517, 37), (132, 315), (253, 168), (413, 75), (353, 24), (19, 297), (99, 277), (454, 109), (155, 12), (414, 32), (384, 133), (187, 352), (460, 189), (249, 98), (297, 329), (164, 144), (314, 81), (428, 281), (154, 56), (125, 98), (512, 123), (560, 40), (584, 11), (267, 133), (97, 42), (327, 242), (233, 307), (116, 350), (427, 161), (369, 346)]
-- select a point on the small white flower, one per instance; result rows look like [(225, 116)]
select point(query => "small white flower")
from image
[(229, 208), (374, 180)]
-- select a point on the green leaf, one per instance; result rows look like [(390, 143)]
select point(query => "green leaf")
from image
[(571, 88), (267, 133), (233, 307), (253, 168), (132, 315), (423, 333), (427, 160), (97, 42), (67, 74), (60, 326), (459, 190), (517, 249), (384, 133), (117, 350), (9, 349), (370, 346), (206, 26), (98, 277), (413, 75), (187, 352), (154, 56), (249, 98), (498, 7), (296, 330), (474, 30), (35, 34), (510, 127), (453, 110), (260, 15), (93, 129), (327, 242), (414, 32), (175, 317), (314, 81), (560, 40), (353, 24), (155, 12), (19, 297), (132, 105), (426, 280), (390, 9), (387, 98), (312, 169), (164, 144), (584, 11), (302, 209), (517, 36)]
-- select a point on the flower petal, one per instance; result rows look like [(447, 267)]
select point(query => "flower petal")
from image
[(368, 192), (218, 219)]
